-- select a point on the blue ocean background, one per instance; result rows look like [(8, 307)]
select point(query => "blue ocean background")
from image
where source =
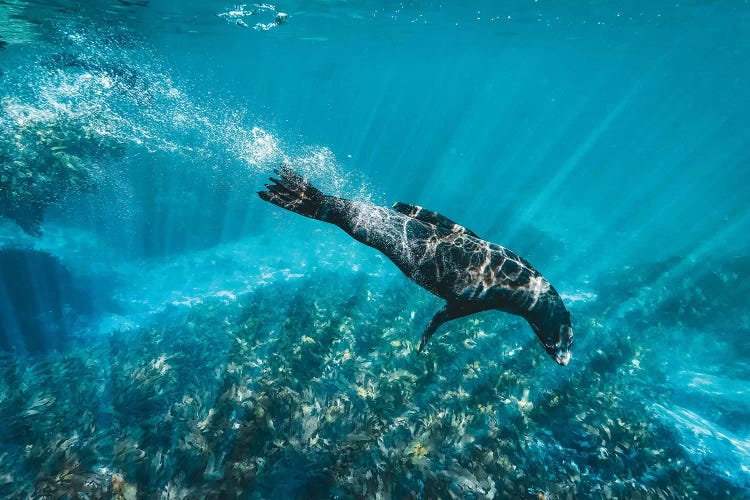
[(167, 334)]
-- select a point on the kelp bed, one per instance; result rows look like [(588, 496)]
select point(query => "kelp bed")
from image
[(313, 388)]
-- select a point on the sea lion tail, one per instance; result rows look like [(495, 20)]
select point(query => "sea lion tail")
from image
[(292, 192)]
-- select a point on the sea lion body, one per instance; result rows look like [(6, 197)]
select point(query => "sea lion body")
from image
[(452, 264), (445, 258)]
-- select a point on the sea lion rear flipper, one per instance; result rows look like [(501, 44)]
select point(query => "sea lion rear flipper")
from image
[(447, 313), (293, 192), (430, 217)]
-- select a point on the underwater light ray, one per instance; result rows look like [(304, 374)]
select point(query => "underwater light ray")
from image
[(682, 267), (682, 198), (474, 137), (543, 190), (9, 322), (522, 163), (370, 130), (568, 166), (664, 204)]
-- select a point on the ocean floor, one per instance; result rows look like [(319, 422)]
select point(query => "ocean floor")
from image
[(312, 387)]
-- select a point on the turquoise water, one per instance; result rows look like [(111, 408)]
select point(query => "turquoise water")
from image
[(167, 334)]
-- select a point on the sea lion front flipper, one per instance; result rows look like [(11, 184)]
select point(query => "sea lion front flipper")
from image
[(430, 217), (447, 313)]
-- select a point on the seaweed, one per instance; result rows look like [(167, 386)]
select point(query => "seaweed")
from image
[(314, 389)]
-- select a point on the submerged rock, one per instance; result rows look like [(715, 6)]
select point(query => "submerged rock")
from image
[(38, 302)]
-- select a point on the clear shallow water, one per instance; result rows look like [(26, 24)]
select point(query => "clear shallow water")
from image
[(167, 332)]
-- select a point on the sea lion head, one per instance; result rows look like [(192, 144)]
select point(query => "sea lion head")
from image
[(556, 337)]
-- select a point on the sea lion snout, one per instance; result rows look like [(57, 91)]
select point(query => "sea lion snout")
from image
[(562, 347), (562, 357), (556, 340), (559, 351)]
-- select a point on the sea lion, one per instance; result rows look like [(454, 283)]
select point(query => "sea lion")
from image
[(445, 258)]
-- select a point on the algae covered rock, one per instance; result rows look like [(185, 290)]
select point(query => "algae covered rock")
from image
[(44, 157)]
